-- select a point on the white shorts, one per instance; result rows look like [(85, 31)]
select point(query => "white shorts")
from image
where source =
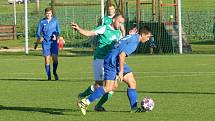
[(98, 66)]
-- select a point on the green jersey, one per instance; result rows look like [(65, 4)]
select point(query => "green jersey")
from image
[(107, 20), (107, 37)]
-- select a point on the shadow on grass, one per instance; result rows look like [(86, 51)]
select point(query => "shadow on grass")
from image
[(54, 111), (157, 92)]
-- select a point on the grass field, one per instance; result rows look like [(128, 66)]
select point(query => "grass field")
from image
[(182, 87)]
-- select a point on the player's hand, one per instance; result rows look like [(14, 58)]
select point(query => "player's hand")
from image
[(120, 78), (35, 45), (74, 26), (40, 39)]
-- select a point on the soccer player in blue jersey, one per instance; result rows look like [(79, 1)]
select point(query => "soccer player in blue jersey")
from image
[(108, 35), (114, 64), (48, 31)]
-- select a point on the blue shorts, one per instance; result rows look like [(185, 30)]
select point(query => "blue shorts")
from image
[(50, 48), (110, 72)]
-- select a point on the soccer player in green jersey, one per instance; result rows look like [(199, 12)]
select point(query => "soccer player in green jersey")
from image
[(108, 35)]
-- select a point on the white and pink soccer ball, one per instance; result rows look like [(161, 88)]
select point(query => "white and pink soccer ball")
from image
[(147, 104)]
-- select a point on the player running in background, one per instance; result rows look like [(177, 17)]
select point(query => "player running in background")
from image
[(48, 31), (108, 35), (114, 64)]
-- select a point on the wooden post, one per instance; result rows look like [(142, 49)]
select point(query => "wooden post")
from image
[(138, 13), (53, 6), (123, 7), (153, 10), (160, 11), (14, 32), (37, 6), (159, 25), (176, 10)]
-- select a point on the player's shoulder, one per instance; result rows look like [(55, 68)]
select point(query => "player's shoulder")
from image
[(130, 36), (42, 19)]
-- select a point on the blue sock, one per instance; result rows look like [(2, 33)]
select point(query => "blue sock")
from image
[(96, 94), (55, 68), (48, 72), (132, 96)]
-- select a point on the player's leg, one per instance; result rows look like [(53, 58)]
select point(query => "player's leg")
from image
[(46, 53), (54, 53), (100, 91), (47, 67), (55, 65), (105, 98), (131, 91), (98, 76), (109, 76), (151, 50)]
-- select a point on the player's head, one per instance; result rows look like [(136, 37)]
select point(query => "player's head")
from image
[(145, 34), (118, 21), (48, 13), (111, 10)]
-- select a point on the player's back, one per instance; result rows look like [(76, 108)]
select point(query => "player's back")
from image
[(128, 44)]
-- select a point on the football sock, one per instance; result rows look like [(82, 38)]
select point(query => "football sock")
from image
[(132, 96), (47, 66), (87, 92), (104, 99), (96, 94), (55, 68)]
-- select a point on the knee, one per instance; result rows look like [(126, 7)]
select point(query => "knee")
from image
[(98, 83), (115, 86), (108, 89), (132, 84)]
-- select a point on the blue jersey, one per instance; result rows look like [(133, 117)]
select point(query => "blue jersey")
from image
[(128, 45), (47, 29)]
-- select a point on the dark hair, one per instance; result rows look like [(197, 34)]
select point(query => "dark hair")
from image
[(48, 9), (144, 30)]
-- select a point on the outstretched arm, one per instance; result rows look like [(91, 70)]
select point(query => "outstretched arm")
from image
[(82, 31)]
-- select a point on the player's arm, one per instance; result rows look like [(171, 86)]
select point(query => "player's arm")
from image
[(82, 31), (38, 35), (122, 56), (122, 29)]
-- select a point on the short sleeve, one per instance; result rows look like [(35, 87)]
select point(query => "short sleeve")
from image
[(100, 30)]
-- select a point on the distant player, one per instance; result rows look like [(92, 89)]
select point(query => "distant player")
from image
[(114, 64), (48, 31), (152, 45), (108, 18), (108, 35)]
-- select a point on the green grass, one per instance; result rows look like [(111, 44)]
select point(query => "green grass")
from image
[(182, 87)]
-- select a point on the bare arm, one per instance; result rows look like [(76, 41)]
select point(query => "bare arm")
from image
[(122, 29), (82, 31), (122, 56)]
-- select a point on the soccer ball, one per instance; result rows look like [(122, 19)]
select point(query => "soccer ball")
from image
[(147, 104)]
